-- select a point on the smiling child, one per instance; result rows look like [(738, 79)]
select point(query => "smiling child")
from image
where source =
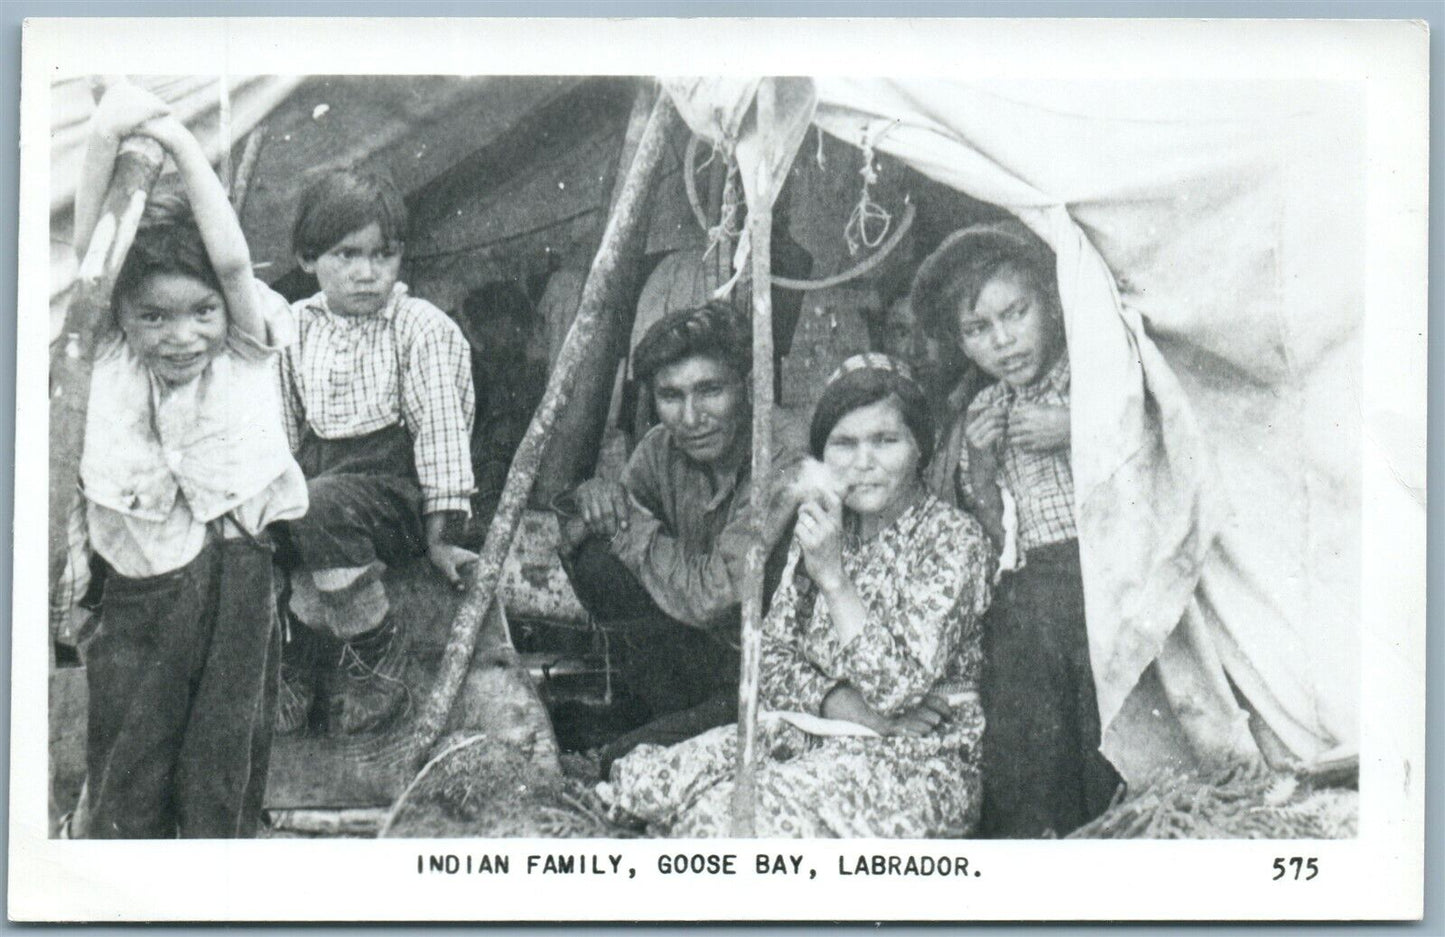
[(184, 466)]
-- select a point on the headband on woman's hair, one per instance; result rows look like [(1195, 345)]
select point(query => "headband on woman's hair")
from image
[(873, 361), (865, 379)]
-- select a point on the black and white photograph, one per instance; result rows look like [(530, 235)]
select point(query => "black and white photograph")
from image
[(950, 448)]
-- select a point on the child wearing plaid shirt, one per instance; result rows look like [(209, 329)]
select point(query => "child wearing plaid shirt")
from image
[(379, 405), (992, 290)]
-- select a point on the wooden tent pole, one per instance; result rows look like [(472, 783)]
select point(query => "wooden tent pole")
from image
[(250, 154), (576, 441), (624, 226), (72, 357), (760, 232)]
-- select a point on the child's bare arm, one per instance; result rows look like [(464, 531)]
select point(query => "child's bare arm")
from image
[(121, 110), (220, 228)]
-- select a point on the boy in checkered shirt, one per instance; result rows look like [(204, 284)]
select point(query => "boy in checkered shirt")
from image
[(379, 404), (992, 290)]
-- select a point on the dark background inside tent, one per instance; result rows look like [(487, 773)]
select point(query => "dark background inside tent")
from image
[(508, 181)]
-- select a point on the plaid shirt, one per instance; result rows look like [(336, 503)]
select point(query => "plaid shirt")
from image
[(1042, 483), (408, 364)]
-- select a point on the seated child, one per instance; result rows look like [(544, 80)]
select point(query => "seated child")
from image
[(379, 406), (184, 465), (992, 290)]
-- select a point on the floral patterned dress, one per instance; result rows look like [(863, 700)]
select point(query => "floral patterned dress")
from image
[(924, 582)]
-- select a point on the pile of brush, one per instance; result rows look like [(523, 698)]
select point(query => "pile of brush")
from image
[(1234, 802), (477, 788)]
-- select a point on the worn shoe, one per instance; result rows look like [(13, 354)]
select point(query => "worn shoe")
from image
[(297, 691), (369, 690)]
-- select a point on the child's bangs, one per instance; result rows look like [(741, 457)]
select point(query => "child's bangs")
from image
[(342, 202), (167, 242)]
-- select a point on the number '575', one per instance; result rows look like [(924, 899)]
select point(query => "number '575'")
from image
[(1303, 869)]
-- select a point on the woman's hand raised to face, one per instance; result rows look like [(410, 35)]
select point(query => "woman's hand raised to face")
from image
[(820, 534)]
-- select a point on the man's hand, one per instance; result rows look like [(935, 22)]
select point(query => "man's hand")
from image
[(449, 561), (1038, 427), (604, 506)]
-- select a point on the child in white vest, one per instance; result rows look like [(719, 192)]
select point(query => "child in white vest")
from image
[(185, 464)]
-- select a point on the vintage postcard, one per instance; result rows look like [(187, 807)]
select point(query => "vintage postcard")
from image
[(732, 470)]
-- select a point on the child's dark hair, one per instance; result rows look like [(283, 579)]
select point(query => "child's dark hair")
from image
[(340, 201), (714, 331), (167, 241), (974, 274), (864, 387), (952, 277)]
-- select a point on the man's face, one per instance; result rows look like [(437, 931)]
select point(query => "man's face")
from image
[(700, 400)]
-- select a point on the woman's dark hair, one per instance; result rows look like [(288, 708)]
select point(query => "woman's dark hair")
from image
[(713, 331), (167, 241), (856, 389), (340, 201)]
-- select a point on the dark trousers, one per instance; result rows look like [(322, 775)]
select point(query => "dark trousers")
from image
[(1042, 768), (687, 677), (365, 502), (182, 672)]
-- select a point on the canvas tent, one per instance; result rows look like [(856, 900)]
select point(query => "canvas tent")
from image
[(1209, 263), (1209, 244)]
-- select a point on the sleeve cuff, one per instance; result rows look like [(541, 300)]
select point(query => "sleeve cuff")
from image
[(279, 322), (629, 544), (817, 690), (435, 504), (865, 647)]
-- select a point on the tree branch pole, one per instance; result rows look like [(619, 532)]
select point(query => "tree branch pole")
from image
[(624, 227), (760, 231), (72, 356), (250, 154)]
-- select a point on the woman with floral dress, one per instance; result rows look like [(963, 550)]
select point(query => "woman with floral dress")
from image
[(870, 719)]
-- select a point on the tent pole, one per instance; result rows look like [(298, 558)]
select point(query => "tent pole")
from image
[(624, 227), (576, 441), (250, 154), (72, 356), (760, 232)]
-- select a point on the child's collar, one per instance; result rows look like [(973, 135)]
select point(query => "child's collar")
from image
[(1056, 379), (387, 311)]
